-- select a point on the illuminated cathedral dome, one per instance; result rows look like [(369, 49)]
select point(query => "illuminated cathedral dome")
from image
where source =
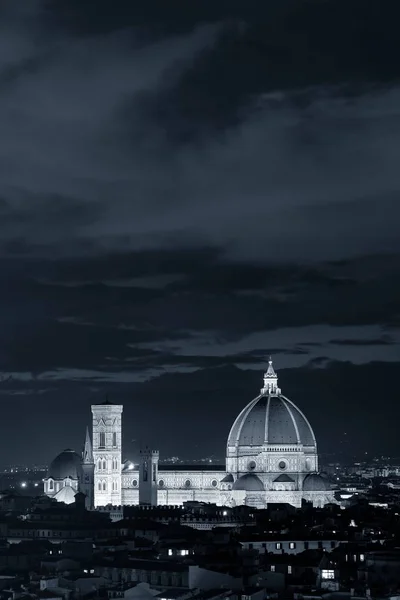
[(67, 464), (249, 483), (271, 419)]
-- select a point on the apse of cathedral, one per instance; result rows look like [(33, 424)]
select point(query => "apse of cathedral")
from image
[(271, 457)]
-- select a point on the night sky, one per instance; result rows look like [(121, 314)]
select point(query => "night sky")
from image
[(186, 188)]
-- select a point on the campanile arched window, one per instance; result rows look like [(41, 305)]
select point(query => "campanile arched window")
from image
[(102, 439)]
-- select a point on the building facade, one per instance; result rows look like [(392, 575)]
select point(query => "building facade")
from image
[(271, 457), (107, 453)]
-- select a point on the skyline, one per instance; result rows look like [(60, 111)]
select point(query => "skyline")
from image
[(333, 440), (184, 192)]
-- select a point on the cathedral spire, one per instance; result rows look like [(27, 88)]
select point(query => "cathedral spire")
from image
[(270, 380), (87, 455)]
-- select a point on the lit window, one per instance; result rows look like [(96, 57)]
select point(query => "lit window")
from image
[(362, 557), (272, 568), (170, 552), (328, 574), (278, 546), (292, 545), (184, 552), (289, 569)]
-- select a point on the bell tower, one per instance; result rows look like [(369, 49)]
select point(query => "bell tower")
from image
[(87, 483), (148, 477), (107, 453)]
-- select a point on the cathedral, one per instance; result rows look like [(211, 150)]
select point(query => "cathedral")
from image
[(271, 457)]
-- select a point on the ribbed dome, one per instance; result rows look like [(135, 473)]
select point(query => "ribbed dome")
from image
[(249, 483), (66, 464), (271, 419), (315, 483)]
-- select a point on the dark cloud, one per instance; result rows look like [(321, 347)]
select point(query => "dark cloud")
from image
[(89, 162), (202, 312), (185, 189), (381, 341)]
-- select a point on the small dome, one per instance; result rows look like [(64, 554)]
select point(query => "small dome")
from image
[(249, 483), (66, 464), (66, 494), (315, 483), (283, 479), (128, 465)]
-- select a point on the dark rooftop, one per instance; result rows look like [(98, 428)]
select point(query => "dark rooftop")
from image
[(142, 564)]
